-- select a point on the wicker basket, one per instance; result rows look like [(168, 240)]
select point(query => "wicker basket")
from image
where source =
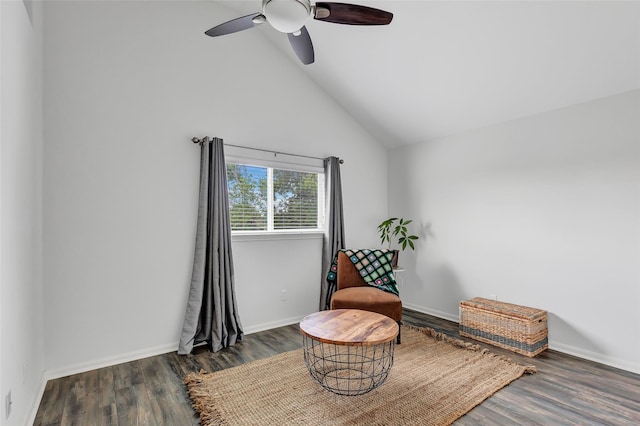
[(517, 328)]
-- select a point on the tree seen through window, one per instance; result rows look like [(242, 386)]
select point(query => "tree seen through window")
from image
[(294, 198)]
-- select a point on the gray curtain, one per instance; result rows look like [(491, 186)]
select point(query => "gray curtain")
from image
[(334, 231), (211, 314)]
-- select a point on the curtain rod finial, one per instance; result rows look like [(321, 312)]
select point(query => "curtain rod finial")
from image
[(195, 140)]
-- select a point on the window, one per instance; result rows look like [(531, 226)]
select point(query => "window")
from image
[(274, 199), (247, 197)]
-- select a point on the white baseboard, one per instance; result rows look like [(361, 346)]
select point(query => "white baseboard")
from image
[(439, 314), (145, 353), (128, 357), (556, 346), (38, 399), (93, 365), (595, 357), (273, 324), (109, 361)]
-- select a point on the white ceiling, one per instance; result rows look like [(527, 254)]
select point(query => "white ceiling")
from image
[(444, 67)]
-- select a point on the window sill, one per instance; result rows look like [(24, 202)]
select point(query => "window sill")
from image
[(272, 236)]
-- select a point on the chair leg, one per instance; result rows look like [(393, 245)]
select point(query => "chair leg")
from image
[(399, 331)]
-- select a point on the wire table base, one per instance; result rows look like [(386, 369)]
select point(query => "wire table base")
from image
[(348, 369)]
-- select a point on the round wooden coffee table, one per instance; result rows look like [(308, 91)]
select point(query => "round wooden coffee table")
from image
[(348, 351)]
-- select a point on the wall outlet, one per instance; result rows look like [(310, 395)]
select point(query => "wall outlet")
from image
[(7, 405), (283, 295)]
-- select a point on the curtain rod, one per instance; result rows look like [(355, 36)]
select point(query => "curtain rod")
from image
[(206, 139)]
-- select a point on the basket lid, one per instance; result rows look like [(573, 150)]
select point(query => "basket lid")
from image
[(504, 308)]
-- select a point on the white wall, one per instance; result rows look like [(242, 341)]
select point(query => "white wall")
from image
[(127, 85), (266, 267), (21, 329), (542, 211)]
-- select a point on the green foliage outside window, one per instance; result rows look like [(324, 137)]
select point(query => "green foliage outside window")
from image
[(247, 197), (294, 201)]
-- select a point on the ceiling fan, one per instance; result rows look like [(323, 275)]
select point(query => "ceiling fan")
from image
[(290, 16)]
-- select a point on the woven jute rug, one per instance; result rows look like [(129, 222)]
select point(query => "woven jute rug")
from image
[(434, 381)]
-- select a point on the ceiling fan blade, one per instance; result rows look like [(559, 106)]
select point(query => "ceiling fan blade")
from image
[(351, 14), (233, 26), (302, 46)]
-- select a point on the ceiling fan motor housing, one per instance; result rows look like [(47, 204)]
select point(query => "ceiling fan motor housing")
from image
[(287, 16)]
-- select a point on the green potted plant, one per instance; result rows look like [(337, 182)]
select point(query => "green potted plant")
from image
[(389, 229)]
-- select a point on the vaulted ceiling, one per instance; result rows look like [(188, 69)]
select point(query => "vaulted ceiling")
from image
[(445, 67)]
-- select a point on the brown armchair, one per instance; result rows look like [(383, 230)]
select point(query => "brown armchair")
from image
[(353, 293)]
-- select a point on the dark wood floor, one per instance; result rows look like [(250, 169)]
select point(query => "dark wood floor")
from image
[(565, 391)]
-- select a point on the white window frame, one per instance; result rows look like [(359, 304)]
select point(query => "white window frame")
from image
[(270, 160)]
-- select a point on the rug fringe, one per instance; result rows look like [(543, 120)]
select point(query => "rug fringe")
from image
[(474, 347), (201, 401)]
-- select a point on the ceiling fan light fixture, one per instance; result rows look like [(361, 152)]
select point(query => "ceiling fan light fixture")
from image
[(286, 16)]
